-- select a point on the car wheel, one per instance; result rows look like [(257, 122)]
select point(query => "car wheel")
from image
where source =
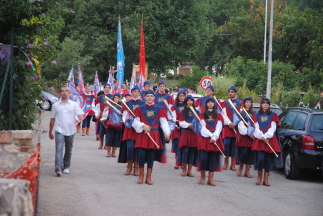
[(290, 169), (46, 105)]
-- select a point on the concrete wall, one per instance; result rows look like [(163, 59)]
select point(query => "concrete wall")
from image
[(15, 148)]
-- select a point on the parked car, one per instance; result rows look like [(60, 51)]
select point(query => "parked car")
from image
[(48, 100), (195, 96), (273, 107), (301, 139)]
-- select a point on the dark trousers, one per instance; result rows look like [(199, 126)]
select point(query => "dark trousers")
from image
[(229, 146), (102, 131), (245, 155), (208, 160), (113, 138), (188, 155), (144, 154), (86, 122), (265, 161), (131, 150), (178, 153)]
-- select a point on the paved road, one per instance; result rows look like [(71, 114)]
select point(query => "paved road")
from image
[(97, 186)]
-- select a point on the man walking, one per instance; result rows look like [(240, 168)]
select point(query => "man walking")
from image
[(63, 117)]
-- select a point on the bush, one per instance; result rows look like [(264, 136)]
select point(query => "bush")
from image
[(193, 79)]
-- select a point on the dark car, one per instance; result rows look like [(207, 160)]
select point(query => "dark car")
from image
[(273, 107), (48, 99), (301, 139)]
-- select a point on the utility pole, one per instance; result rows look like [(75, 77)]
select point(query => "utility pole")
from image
[(270, 50), (265, 34)]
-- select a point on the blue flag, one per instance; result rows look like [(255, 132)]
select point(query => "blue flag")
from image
[(236, 119), (120, 56)]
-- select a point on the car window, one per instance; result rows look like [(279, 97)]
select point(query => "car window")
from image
[(289, 120), (282, 116), (299, 123), (316, 123)]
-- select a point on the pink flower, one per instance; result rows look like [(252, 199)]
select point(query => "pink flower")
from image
[(38, 47), (35, 77), (46, 40), (45, 98), (73, 11), (29, 63), (30, 12), (30, 46), (45, 43), (52, 88), (40, 0), (54, 62)]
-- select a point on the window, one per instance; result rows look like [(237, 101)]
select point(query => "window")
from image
[(316, 124), (289, 120), (299, 123)]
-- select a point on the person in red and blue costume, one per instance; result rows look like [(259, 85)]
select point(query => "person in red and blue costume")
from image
[(146, 88), (229, 130), (209, 153), (102, 102), (114, 125), (129, 134), (209, 93), (188, 139), (149, 118), (244, 141), (162, 95), (90, 101), (266, 123), (175, 135)]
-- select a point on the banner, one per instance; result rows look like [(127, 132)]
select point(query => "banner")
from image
[(120, 56), (111, 81), (80, 83), (96, 85), (70, 79)]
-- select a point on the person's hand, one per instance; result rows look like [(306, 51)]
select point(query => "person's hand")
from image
[(252, 136), (146, 128), (212, 141), (231, 125), (190, 126), (51, 136), (167, 138)]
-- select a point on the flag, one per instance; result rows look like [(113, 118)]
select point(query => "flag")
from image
[(141, 82), (142, 57), (250, 128), (120, 56), (70, 79), (133, 80), (96, 85), (236, 119), (110, 81), (80, 83), (78, 98)]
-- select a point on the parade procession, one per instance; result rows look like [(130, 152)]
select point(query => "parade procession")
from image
[(161, 107)]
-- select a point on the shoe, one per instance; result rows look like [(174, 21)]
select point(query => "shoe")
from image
[(58, 171), (66, 171)]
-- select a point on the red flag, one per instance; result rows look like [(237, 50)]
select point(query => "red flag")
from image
[(142, 55)]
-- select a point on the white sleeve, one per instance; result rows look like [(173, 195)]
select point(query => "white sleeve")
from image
[(205, 132), (137, 125), (203, 123), (125, 115), (217, 131), (242, 128), (258, 133), (184, 124), (105, 113), (270, 133), (97, 110), (227, 121), (164, 125)]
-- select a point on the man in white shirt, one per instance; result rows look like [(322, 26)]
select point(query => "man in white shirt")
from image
[(63, 117)]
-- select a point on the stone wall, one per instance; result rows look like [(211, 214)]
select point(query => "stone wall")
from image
[(15, 198), (15, 148)]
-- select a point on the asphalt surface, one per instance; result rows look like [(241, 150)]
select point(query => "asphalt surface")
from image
[(96, 185)]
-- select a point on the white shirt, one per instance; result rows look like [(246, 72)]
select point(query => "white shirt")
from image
[(64, 115)]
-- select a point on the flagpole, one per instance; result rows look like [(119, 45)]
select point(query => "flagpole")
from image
[(270, 50)]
